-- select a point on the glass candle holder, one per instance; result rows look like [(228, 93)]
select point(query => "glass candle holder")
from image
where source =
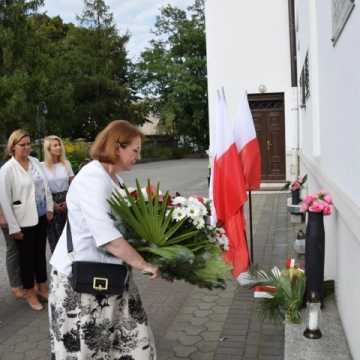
[(312, 330)]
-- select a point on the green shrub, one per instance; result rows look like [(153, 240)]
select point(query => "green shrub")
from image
[(77, 153)]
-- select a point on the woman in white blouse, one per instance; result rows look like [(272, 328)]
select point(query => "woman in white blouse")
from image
[(84, 326), (27, 207), (59, 174)]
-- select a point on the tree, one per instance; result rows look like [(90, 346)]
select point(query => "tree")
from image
[(102, 89), (172, 73), (15, 63), (61, 78)]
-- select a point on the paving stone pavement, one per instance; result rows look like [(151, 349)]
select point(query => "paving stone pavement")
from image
[(188, 323)]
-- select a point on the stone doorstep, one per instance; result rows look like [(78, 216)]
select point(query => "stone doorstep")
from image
[(332, 345), (274, 186)]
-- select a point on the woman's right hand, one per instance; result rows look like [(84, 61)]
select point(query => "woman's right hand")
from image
[(18, 236), (152, 270)]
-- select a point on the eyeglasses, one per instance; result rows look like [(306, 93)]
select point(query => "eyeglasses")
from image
[(24, 144)]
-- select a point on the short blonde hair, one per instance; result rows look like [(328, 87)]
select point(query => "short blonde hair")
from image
[(14, 138), (47, 156), (118, 132)]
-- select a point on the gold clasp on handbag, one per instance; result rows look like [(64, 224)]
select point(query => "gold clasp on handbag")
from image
[(100, 284)]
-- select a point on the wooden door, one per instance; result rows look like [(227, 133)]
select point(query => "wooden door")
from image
[(268, 114)]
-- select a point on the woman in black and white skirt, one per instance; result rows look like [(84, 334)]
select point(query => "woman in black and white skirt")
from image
[(84, 326), (59, 174)]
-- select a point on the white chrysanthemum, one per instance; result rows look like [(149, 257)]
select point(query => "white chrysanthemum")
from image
[(192, 211), (212, 239), (224, 242), (203, 210), (178, 214), (222, 230), (199, 223), (195, 201), (179, 200)]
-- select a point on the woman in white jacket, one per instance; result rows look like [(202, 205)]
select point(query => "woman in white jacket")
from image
[(85, 326), (27, 205)]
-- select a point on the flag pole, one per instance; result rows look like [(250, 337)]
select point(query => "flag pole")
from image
[(251, 230)]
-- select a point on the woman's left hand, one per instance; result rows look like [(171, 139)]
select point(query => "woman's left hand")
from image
[(49, 215), (151, 270)]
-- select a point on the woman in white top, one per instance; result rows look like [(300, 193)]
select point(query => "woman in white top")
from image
[(59, 174), (84, 326), (27, 206)]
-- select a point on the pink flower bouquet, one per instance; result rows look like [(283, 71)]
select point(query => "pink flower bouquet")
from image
[(298, 183), (320, 202)]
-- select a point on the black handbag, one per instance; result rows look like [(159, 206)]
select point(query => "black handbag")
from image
[(96, 278)]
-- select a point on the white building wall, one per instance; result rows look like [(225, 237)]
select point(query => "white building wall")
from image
[(330, 130), (248, 46)]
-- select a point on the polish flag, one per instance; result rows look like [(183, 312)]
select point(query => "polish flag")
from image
[(247, 145), (229, 189)]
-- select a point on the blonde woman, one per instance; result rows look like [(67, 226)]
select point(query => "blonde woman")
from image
[(59, 174), (27, 206)]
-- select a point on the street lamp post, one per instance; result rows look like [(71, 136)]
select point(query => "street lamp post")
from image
[(41, 113)]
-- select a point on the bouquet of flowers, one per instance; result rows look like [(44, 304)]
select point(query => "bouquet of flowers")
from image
[(320, 202), (281, 292), (173, 233), (298, 183)]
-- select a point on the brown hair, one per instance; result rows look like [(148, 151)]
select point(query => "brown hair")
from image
[(118, 132), (14, 138)]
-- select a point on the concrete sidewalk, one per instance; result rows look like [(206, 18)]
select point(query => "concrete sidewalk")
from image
[(189, 323)]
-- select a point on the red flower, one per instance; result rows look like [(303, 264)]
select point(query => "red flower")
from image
[(151, 190), (290, 263), (134, 194), (169, 200), (200, 198)]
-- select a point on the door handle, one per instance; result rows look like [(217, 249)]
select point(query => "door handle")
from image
[(268, 144)]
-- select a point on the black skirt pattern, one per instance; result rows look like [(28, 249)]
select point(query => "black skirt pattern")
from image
[(56, 226), (84, 326)]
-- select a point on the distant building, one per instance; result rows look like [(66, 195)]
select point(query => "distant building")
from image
[(248, 48), (151, 127), (299, 62)]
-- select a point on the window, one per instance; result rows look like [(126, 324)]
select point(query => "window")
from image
[(304, 81)]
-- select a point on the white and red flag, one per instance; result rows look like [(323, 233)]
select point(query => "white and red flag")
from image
[(247, 145), (229, 188)]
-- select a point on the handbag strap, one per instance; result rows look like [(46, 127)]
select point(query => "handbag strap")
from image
[(69, 242)]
